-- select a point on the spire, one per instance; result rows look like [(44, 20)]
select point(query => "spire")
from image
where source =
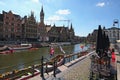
[(71, 28), (32, 13), (42, 12), (42, 15), (54, 25)]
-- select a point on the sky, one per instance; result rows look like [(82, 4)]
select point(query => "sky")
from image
[(85, 15)]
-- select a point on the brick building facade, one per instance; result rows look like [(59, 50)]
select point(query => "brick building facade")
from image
[(10, 26), (29, 28), (15, 28)]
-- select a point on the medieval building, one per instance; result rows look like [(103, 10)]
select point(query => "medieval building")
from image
[(10, 26), (29, 28), (42, 32), (13, 27), (54, 33)]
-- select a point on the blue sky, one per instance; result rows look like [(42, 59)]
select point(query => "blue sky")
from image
[(85, 15)]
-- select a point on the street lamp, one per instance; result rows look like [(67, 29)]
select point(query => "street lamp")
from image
[(116, 22)]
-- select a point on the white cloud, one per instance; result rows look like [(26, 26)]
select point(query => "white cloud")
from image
[(50, 1), (35, 1), (100, 4), (2, 3), (64, 12)]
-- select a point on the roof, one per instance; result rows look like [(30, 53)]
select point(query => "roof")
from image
[(113, 28), (48, 28), (1, 17), (17, 16)]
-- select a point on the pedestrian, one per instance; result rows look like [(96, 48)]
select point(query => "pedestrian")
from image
[(113, 55), (51, 52), (109, 57)]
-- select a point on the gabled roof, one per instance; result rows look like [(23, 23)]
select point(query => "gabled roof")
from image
[(17, 16), (48, 28)]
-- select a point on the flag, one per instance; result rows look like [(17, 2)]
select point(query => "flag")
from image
[(62, 50), (116, 22)]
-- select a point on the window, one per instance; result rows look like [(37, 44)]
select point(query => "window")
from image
[(7, 17), (13, 19)]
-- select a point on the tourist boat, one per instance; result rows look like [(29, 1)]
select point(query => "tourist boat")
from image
[(49, 66), (20, 47), (59, 60), (5, 50)]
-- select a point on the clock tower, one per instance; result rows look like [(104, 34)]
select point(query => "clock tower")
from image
[(42, 15)]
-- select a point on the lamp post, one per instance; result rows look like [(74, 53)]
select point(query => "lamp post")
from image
[(116, 22)]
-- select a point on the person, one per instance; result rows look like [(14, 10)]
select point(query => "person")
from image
[(113, 55), (51, 52), (108, 57)]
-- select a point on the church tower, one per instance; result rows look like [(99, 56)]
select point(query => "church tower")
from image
[(72, 34), (71, 28), (42, 15)]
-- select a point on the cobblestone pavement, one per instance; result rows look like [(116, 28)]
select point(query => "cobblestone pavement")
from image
[(79, 71), (118, 67)]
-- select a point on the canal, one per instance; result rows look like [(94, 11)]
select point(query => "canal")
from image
[(27, 58)]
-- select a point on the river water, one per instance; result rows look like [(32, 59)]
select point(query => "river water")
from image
[(23, 59)]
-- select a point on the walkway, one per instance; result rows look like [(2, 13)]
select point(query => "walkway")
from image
[(118, 60), (118, 67), (79, 71)]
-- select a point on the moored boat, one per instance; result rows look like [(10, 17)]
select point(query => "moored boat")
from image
[(59, 59), (5, 50), (20, 47)]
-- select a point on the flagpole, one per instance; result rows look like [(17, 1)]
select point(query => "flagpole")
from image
[(116, 21)]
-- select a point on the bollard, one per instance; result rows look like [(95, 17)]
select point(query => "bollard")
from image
[(73, 57), (46, 71), (69, 58), (33, 70), (42, 72), (55, 67)]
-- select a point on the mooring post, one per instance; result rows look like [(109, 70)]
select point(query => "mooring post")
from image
[(55, 66), (42, 72)]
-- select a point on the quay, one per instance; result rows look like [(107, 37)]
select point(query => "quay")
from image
[(80, 69), (28, 72), (77, 69)]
